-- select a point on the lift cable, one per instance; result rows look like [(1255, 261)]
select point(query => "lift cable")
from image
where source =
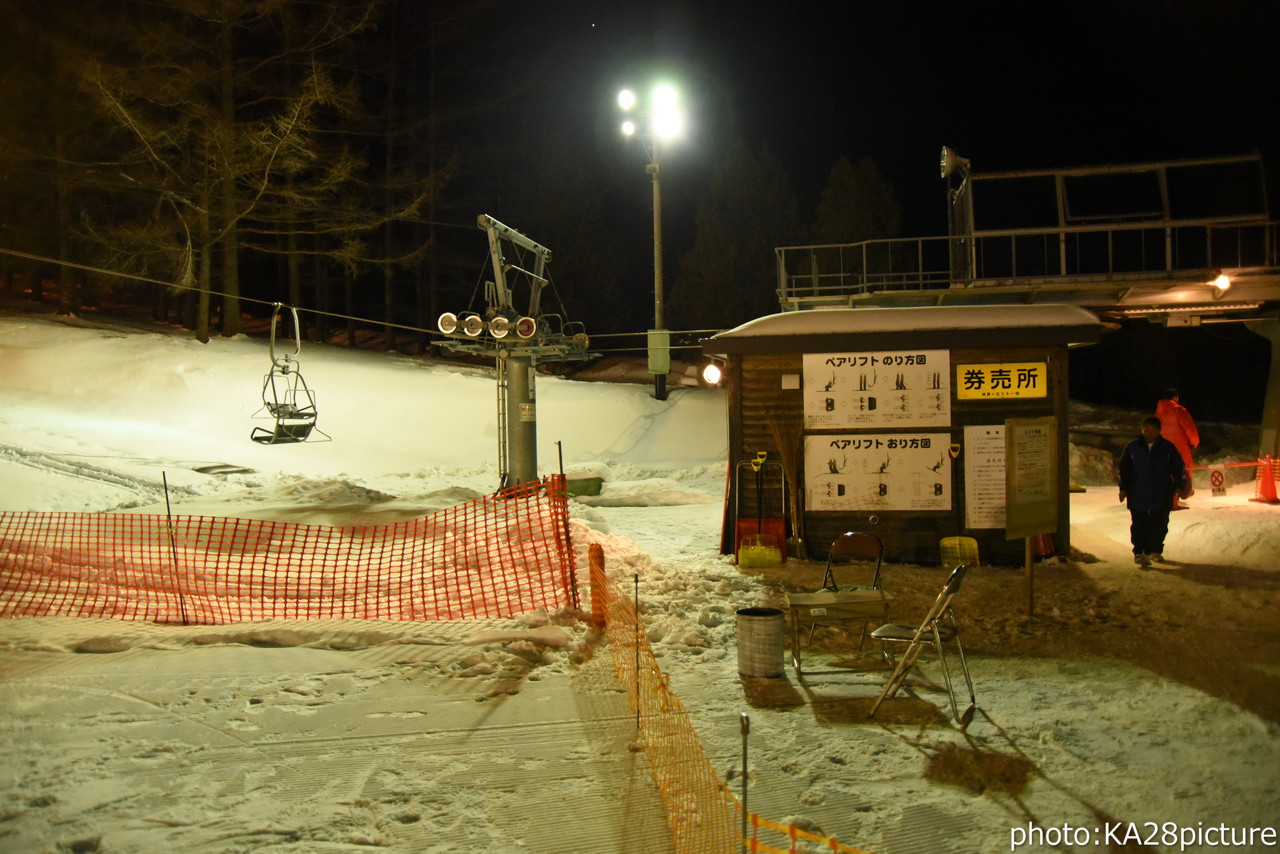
[(317, 312)]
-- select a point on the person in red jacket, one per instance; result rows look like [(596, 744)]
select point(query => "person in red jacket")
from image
[(1178, 427)]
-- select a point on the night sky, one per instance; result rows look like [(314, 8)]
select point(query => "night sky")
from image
[(1069, 84), (1009, 86)]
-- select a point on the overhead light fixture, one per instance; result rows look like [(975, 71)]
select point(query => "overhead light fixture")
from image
[(1201, 308), (472, 325), (952, 161), (448, 323), (711, 374), (667, 118)]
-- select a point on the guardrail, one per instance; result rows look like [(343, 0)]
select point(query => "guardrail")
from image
[(1183, 249)]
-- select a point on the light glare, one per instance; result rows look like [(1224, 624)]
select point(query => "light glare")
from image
[(668, 125), (1222, 282), (628, 127), (668, 119), (711, 374), (626, 99)]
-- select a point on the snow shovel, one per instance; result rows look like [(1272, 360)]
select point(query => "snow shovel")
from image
[(760, 550)]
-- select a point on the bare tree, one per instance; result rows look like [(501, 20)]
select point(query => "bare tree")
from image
[(220, 132)]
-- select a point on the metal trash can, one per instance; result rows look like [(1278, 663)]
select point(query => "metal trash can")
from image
[(762, 641)]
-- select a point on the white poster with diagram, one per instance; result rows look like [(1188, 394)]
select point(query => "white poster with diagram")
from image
[(890, 389), (878, 471)]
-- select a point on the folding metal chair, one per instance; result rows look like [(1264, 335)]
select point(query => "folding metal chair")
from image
[(840, 606), (851, 547), (938, 627)]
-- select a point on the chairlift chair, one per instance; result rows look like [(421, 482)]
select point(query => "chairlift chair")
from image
[(286, 398)]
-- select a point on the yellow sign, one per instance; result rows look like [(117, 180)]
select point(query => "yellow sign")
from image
[(992, 381)]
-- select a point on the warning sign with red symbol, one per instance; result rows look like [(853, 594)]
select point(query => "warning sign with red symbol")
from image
[(1218, 481)]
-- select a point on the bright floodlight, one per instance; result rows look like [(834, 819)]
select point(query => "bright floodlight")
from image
[(628, 127), (711, 373), (668, 120), (626, 99), (1222, 282), (668, 125)]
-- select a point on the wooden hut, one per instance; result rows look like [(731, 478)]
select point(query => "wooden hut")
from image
[(892, 421)]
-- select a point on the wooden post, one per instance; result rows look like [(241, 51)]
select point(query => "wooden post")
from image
[(595, 558), (1031, 578)]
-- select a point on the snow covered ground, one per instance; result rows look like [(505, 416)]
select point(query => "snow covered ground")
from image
[(513, 735)]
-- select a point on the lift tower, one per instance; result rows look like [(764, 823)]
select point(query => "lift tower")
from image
[(516, 339)]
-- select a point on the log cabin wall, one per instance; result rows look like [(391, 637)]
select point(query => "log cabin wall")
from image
[(766, 402)]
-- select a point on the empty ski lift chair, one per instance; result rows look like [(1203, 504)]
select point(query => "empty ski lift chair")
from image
[(285, 395), (837, 605), (938, 628)]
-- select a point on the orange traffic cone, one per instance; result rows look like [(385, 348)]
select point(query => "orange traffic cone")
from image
[(1265, 490)]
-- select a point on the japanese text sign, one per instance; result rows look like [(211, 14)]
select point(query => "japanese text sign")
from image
[(1003, 380)]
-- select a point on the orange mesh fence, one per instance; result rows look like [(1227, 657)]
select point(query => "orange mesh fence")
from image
[(496, 556), (704, 815)]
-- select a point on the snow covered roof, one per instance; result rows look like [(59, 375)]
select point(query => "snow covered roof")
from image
[(949, 326)]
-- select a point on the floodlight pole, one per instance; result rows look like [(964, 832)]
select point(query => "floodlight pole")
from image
[(663, 120), (658, 341)]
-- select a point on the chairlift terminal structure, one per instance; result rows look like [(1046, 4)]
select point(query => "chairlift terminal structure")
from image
[(838, 373)]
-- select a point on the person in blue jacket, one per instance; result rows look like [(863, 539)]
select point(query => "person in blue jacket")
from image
[(1151, 473)]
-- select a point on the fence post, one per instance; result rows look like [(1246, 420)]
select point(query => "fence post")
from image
[(595, 558)]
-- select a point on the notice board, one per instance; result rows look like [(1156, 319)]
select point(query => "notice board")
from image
[(1031, 476)]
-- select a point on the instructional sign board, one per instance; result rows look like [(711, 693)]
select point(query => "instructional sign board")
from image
[(1000, 381), (1031, 477), (878, 471), (888, 389), (984, 479)]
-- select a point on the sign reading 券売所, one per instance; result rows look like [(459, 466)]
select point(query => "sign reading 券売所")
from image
[(996, 381)]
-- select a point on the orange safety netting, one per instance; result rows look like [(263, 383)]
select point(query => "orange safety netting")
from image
[(704, 815), (495, 556)]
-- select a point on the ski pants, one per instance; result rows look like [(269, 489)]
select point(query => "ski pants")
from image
[(1147, 530)]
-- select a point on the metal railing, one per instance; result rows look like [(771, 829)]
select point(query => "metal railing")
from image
[(837, 273)]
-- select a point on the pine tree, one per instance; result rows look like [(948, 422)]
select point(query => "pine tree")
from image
[(728, 277)]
